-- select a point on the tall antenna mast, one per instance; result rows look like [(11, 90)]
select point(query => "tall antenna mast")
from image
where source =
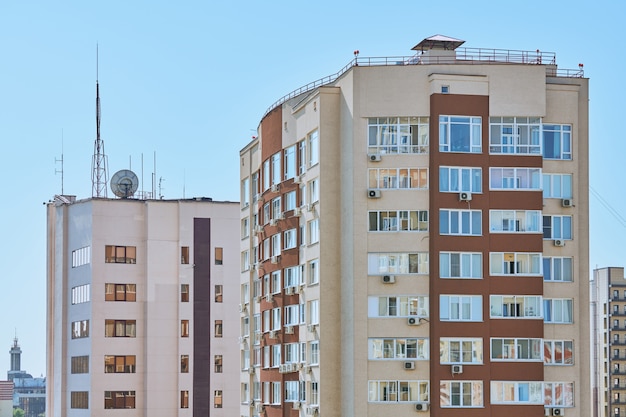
[(99, 163), (56, 171)]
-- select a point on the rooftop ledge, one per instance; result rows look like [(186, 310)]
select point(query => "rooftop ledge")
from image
[(465, 56)]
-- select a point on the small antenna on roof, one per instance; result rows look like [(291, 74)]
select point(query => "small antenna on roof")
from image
[(56, 171)]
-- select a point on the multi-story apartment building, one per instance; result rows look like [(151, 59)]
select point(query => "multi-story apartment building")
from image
[(608, 330), (142, 307), (415, 240)]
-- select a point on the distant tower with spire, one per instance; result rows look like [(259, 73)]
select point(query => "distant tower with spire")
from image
[(16, 360), (99, 163)]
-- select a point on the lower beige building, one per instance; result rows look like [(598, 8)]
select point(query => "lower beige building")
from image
[(142, 307)]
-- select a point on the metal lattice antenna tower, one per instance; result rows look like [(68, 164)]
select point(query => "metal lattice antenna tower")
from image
[(99, 178)]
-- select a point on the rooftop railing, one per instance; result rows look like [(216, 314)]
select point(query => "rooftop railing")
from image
[(463, 56)]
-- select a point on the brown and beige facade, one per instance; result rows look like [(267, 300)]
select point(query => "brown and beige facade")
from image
[(142, 307), (414, 239)]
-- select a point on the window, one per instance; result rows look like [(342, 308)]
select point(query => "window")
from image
[(81, 256), (79, 399), (514, 221), (460, 134), (255, 186), (557, 142), (219, 256), (245, 326), (558, 269), (290, 162), (558, 310), (515, 349), (460, 308), (314, 271), (218, 328), (184, 254), (276, 282), (276, 393), (219, 293), (290, 200), (460, 222), (120, 254), (276, 321), (245, 260), (314, 148), (314, 311), (513, 392), (291, 240), (292, 315), (184, 364), (398, 306), (514, 135), (397, 263), (514, 263), (315, 352), (314, 231), (398, 391), (294, 391), (397, 135), (557, 185), (245, 227), (398, 178), (120, 292), (292, 276), (184, 328), (267, 214), (315, 393), (314, 190), (266, 175), (276, 248), (276, 208), (119, 399), (292, 352), (558, 352), (461, 351), (245, 192), (217, 360), (120, 328), (527, 179), (557, 227), (80, 294), (515, 306), (276, 170), (217, 398), (80, 364), (184, 399), (119, 364), (398, 221), (461, 265), (399, 349), (461, 394), (301, 157), (558, 394), (80, 329), (456, 179)]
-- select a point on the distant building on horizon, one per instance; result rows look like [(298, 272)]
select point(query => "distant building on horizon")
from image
[(6, 399), (29, 393), (142, 315)]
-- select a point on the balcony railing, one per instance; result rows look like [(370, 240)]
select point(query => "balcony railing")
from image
[(463, 56)]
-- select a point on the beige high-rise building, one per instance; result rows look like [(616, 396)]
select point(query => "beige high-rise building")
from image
[(608, 332), (142, 307), (415, 240)]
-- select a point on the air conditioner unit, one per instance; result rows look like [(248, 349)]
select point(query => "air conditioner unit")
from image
[(567, 202), (421, 407), (558, 411), (457, 369), (288, 329), (307, 369), (259, 408), (559, 242), (280, 216), (297, 179), (275, 188), (465, 196), (374, 157), (374, 193), (312, 411), (547, 411), (274, 259), (409, 365), (273, 222), (297, 211), (242, 308), (258, 228), (251, 370), (257, 338), (309, 207), (257, 299), (311, 327), (282, 368), (413, 321), (269, 298), (295, 405), (289, 291), (272, 334), (301, 288), (388, 279)]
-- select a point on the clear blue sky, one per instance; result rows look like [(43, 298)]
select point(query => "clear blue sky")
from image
[(190, 80)]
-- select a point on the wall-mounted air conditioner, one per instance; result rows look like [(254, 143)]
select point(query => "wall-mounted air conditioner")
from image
[(421, 407), (375, 157), (409, 365), (457, 369), (374, 193), (388, 279), (465, 196), (413, 321), (567, 202), (559, 242)]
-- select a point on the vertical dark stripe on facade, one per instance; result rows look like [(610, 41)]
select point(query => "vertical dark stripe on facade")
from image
[(202, 317)]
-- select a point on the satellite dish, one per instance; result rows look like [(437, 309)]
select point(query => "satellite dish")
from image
[(124, 183)]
